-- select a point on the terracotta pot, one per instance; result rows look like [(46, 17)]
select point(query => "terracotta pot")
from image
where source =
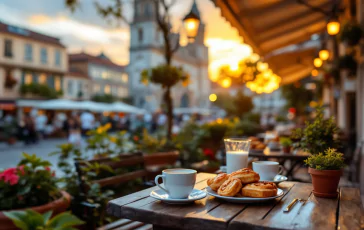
[(325, 182), (287, 149), (58, 206)]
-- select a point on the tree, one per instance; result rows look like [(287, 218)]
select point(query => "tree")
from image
[(171, 45), (237, 105)]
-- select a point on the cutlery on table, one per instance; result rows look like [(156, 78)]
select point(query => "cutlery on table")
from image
[(293, 202)]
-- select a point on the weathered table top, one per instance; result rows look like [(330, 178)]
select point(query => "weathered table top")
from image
[(211, 213)]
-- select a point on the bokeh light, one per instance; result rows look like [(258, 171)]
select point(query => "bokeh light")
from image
[(213, 97)]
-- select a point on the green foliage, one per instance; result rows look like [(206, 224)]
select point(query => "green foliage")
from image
[(347, 62), (105, 98), (148, 143), (319, 135), (164, 75), (351, 33), (246, 128), (41, 90), (297, 96), (237, 105), (30, 184), (252, 117), (32, 220), (285, 141), (330, 159)]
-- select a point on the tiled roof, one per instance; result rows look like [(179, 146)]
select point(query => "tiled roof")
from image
[(99, 60), (29, 34)]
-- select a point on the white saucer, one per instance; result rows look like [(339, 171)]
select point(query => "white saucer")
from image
[(245, 200), (163, 196), (278, 179)]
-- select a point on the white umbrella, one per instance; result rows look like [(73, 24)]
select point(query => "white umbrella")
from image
[(192, 111), (125, 108), (95, 106), (59, 104)]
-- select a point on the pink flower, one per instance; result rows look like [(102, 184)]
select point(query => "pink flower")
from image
[(47, 168), (9, 176), (53, 174), (21, 169)]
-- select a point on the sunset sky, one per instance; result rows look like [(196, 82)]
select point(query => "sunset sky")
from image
[(86, 30)]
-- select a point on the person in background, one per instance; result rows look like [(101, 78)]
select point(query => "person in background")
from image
[(148, 121), (74, 134), (30, 136), (87, 122), (40, 124)]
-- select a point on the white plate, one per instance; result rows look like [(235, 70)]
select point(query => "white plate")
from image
[(244, 199), (163, 196)]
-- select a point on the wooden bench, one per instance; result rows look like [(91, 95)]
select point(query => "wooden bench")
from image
[(123, 161)]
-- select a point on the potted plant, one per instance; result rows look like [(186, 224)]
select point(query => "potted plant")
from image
[(351, 33), (286, 144), (30, 185), (318, 135), (29, 219), (325, 169), (348, 62)]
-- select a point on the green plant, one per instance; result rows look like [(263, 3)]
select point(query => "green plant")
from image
[(285, 141), (105, 98), (351, 33), (347, 62), (246, 128), (31, 183), (41, 90), (330, 159), (32, 220), (99, 141), (148, 143), (317, 136)]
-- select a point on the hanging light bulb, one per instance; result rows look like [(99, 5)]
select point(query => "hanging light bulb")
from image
[(226, 83), (261, 66), (317, 62), (333, 27), (314, 73), (324, 55)]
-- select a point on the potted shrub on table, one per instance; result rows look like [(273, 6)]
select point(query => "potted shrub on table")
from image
[(30, 185), (326, 169), (286, 144)]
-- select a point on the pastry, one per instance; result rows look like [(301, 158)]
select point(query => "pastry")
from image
[(246, 175), (260, 146), (260, 189), (217, 181), (252, 138), (230, 187)]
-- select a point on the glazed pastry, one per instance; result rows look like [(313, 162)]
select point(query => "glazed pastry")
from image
[(260, 189), (246, 175), (217, 181), (260, 146), (230, 187)]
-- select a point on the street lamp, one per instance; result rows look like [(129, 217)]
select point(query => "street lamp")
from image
[(191, 22)]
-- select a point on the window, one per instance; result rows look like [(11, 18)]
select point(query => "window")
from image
[(70, 88), (28, 52), (107, 89), (28, 78), (42, 78), (57, 83), (124, 77), (8, 48), (57, 58), (140, 35), (97, 88), (43, 56)]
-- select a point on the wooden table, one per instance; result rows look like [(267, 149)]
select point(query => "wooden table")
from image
[(211, 213), (294, 159)]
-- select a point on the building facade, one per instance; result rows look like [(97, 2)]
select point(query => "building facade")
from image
[(146, 51), (99, 75), (76, 86), (28, 57)]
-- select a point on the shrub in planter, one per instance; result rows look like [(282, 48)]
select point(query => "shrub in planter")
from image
[(318, 135), (351, 33), (325, 169), (30, 185), (286, 144), (348, 62), (29, 220)]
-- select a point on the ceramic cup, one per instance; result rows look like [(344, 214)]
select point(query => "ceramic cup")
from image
[(178, 183), (267, 170)]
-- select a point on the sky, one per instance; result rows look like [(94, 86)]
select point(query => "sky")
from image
[(84, 30)]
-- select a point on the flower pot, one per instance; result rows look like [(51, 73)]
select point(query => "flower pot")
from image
[(58, 206), (286, 149), (325, 182)]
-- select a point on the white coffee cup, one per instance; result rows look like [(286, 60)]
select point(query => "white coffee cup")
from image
[(178, 183), (267, 170)]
